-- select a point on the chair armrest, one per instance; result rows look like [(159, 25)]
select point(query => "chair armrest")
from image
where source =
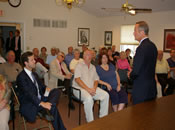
[(102, 87), (73, 88)]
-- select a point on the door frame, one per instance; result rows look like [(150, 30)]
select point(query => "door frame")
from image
[(21, 27)]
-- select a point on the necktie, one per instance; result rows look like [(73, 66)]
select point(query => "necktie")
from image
[(62, 70), (35, 82)]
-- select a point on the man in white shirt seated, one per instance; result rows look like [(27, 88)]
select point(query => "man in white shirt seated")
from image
[(86, 79), (162, 69), (2, 60), (75, 60)]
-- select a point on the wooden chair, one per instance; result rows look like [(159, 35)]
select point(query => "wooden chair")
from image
[(16, 94)]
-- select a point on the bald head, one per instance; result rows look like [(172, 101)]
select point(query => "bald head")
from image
[(35, 52), (11, 57), (160, 55), (87, 56)]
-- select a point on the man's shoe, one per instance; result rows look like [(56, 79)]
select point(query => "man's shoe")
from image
[(46, 115), (71, 106)]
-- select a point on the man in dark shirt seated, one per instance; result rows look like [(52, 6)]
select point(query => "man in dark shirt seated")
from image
[(171, 81)]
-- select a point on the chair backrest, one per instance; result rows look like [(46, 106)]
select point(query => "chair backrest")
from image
[(15, 91), (123, 75)]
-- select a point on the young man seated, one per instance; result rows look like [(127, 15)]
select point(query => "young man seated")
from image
[(34, 97)]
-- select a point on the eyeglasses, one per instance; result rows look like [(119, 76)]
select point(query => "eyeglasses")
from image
[(62, 56)]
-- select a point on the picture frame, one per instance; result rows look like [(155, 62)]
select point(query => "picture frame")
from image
[(169, 40), (108, 38), (83, 36)]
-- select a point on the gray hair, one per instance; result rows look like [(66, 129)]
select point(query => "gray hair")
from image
[(143, 26), (60, 53), (76, 50)]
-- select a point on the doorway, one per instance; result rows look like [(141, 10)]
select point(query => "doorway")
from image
[(5, 28)]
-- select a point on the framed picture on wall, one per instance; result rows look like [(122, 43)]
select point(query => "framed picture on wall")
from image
[(83, 36), (169, 40), (108, 38)]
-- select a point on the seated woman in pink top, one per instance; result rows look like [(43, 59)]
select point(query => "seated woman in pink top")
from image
[(122, 63), (123, 66)]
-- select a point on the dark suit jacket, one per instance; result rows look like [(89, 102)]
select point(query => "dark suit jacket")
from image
[(19, 44), (143, 73), (8, 44), (29, 102)]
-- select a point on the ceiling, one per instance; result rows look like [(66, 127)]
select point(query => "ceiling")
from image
[(94, 6)]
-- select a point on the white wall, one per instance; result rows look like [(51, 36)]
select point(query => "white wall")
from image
[(157, 23), (62, 38), (47, 9)]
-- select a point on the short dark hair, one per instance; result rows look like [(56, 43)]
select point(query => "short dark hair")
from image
[(44, 48), (127, 50), (24, 57), (11, 32), (100, 58), (143, 26), (17, 31)]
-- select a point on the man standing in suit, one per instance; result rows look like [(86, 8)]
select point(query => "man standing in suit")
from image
[(143, 73), (9, 41), (32, 94), (16, 45)]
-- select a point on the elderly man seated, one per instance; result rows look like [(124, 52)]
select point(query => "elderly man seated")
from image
[(41, 67), (69, 56), (171, 80), (4, 106), (162, 69), (51, 56), (10, 69), (2, 60), (75, 60), (86, 79), (60, 75)]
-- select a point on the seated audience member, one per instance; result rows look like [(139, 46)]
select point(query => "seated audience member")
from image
[(99, 51), (43, 54), (34, 97), (84, 48), (75, 61), (51, 56), (57, 51), (111, 58), (123, 66), (129, 58), (60, 75), (5, 93), (41, 67), (94, 58), (2, 60), (162, 69), (86, 79), (110, 78), (69, 56), (10, 69), (171, 80), (122, 63), (115, 54)]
